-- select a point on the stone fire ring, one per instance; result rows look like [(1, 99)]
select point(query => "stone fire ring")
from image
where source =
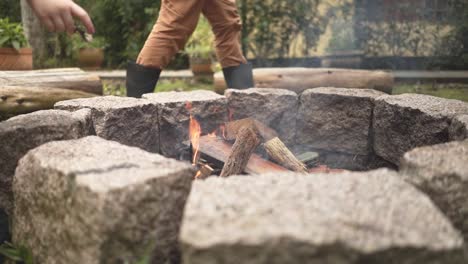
[(372, 217), (94, 180)]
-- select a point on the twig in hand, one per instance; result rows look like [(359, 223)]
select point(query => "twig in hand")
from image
[(85, 36)]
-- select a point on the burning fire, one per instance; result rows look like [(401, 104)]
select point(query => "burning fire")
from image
[(230, 115), (194, 133), (222, 129)]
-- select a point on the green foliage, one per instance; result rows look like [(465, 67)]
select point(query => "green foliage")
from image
[(271, 25), (448, 90), (12, 35), (123, 24), (200, 44), (17, 254), (401, 30), (452, 50), (10, 9), (342, 37), (408, 28), (97, 42)]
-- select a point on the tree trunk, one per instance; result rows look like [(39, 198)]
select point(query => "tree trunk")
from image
[(37, 36)]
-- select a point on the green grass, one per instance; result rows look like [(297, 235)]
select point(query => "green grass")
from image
[(180, 85), (450, 91), (118, 89)]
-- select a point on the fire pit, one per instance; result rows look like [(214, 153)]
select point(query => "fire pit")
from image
[(298, 149)]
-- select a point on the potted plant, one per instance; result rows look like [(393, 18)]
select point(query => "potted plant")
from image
[(200, 49), (342, 51), (15, 53), (90, 54)]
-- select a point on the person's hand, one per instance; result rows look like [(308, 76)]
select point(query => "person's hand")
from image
[(57, 15)]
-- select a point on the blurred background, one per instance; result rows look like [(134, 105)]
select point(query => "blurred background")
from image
[(413, 38)]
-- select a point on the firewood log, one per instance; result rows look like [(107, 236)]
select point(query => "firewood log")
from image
[(246, 142), (218, 150), (275, 148), (278, 151), (233, 128)]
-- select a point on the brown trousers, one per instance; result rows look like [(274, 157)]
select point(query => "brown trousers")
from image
[(176, 23)]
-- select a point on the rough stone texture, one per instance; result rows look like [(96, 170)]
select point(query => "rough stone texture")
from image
[(130, 121), (459, 128), (97, 201), (372, 217), (20, 134), (208, 108), (336, 119), (442, 172), (352, 162), (407, 121), (276, 108), (4, 230)]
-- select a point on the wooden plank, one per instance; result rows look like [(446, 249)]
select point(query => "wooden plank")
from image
[(218, 149)]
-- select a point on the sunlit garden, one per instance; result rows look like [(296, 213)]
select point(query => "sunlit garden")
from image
[(233, 131)]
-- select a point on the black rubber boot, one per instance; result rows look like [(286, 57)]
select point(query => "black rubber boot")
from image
[(141, 80), (239, 77)]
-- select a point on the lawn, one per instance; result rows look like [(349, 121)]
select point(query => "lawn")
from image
[(450, 90), (118, 89)]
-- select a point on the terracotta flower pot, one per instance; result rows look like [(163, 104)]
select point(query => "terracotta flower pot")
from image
[(16, 60), (201, 66), (91, 58)]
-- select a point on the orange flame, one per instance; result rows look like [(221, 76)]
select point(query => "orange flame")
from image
[(230, 114), (222, 129), (194, 133)]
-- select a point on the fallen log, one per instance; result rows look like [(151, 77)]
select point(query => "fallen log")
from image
[(246, 142), (16, 100), (278, 151), (217, 149), (300, 79), (67, 78)]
